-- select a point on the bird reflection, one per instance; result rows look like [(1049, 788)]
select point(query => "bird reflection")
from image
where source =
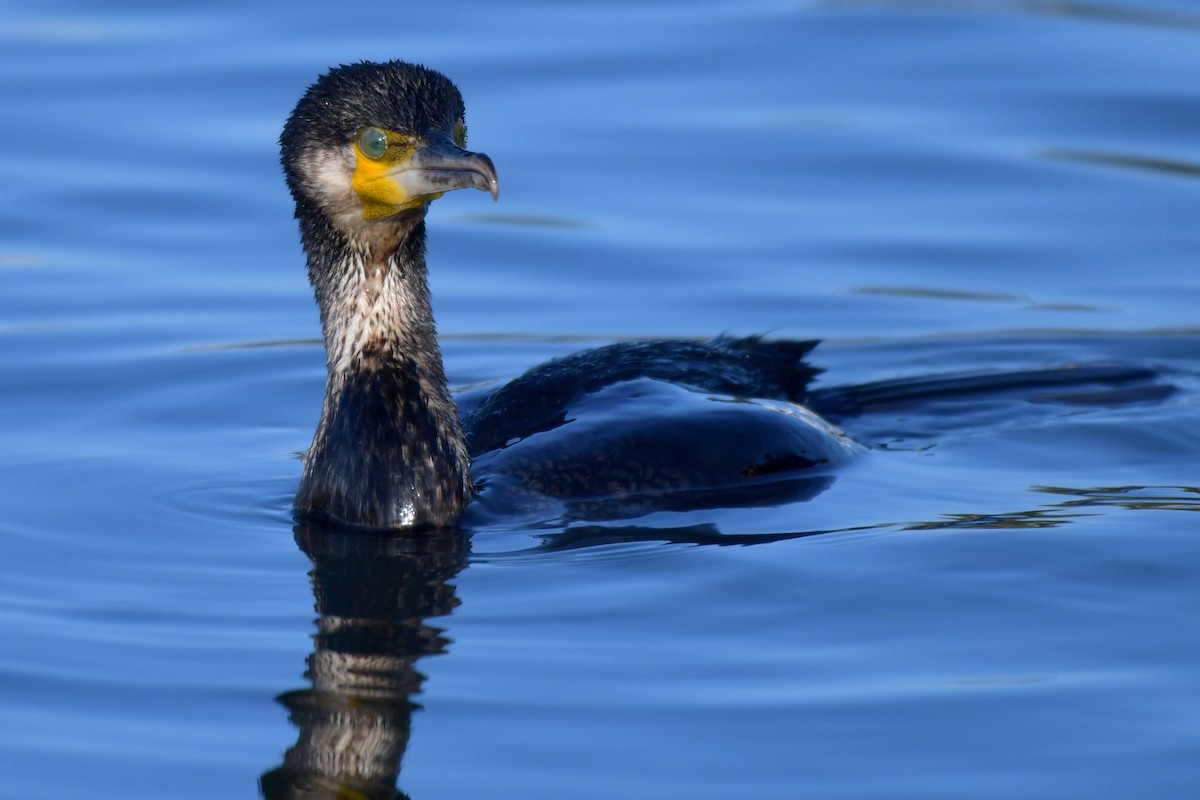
[(373, 597)]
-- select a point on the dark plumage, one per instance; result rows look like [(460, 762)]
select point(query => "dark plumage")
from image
[(618, 429)]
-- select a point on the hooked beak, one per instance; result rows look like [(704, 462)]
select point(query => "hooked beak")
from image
[(439, 166), (419, 174)]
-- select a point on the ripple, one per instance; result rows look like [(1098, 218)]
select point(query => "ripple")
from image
[(632, 542), (1083, 502), (524, 220), (229, 501), (1133, 498), (1142, 163), (258, 345), (1103, 12), (931, 293)]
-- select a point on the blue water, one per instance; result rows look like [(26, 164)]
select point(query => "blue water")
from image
[(1002, 598)]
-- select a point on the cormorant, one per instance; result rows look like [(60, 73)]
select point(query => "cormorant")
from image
[(656, 424)]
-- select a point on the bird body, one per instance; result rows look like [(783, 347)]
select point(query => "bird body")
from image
[(668, 423)]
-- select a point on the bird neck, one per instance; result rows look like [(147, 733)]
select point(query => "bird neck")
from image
[(389, 450)]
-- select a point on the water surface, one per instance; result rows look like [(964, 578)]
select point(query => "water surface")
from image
[(996, 600)]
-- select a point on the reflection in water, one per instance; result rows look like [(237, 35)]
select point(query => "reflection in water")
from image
[(1082, 503), (1139, 498), (373, 596), (578, 537)]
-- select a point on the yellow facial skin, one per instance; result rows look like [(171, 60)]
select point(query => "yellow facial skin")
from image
[(394, 172), (375, 178)]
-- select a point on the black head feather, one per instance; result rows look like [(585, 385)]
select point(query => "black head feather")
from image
[(406, 98)]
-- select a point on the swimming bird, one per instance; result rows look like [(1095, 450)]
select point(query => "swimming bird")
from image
[(644, 425)]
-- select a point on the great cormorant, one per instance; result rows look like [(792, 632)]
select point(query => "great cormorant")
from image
[(657, 424)]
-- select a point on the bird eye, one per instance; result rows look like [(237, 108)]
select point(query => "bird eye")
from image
[(372, 143), (460, 133)]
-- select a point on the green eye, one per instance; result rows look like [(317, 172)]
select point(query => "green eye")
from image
[(372, 143), (460, 133)]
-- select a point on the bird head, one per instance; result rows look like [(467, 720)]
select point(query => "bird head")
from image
[(369, 142)]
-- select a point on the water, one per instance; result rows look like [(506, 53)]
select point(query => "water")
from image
[(1002, 599)]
